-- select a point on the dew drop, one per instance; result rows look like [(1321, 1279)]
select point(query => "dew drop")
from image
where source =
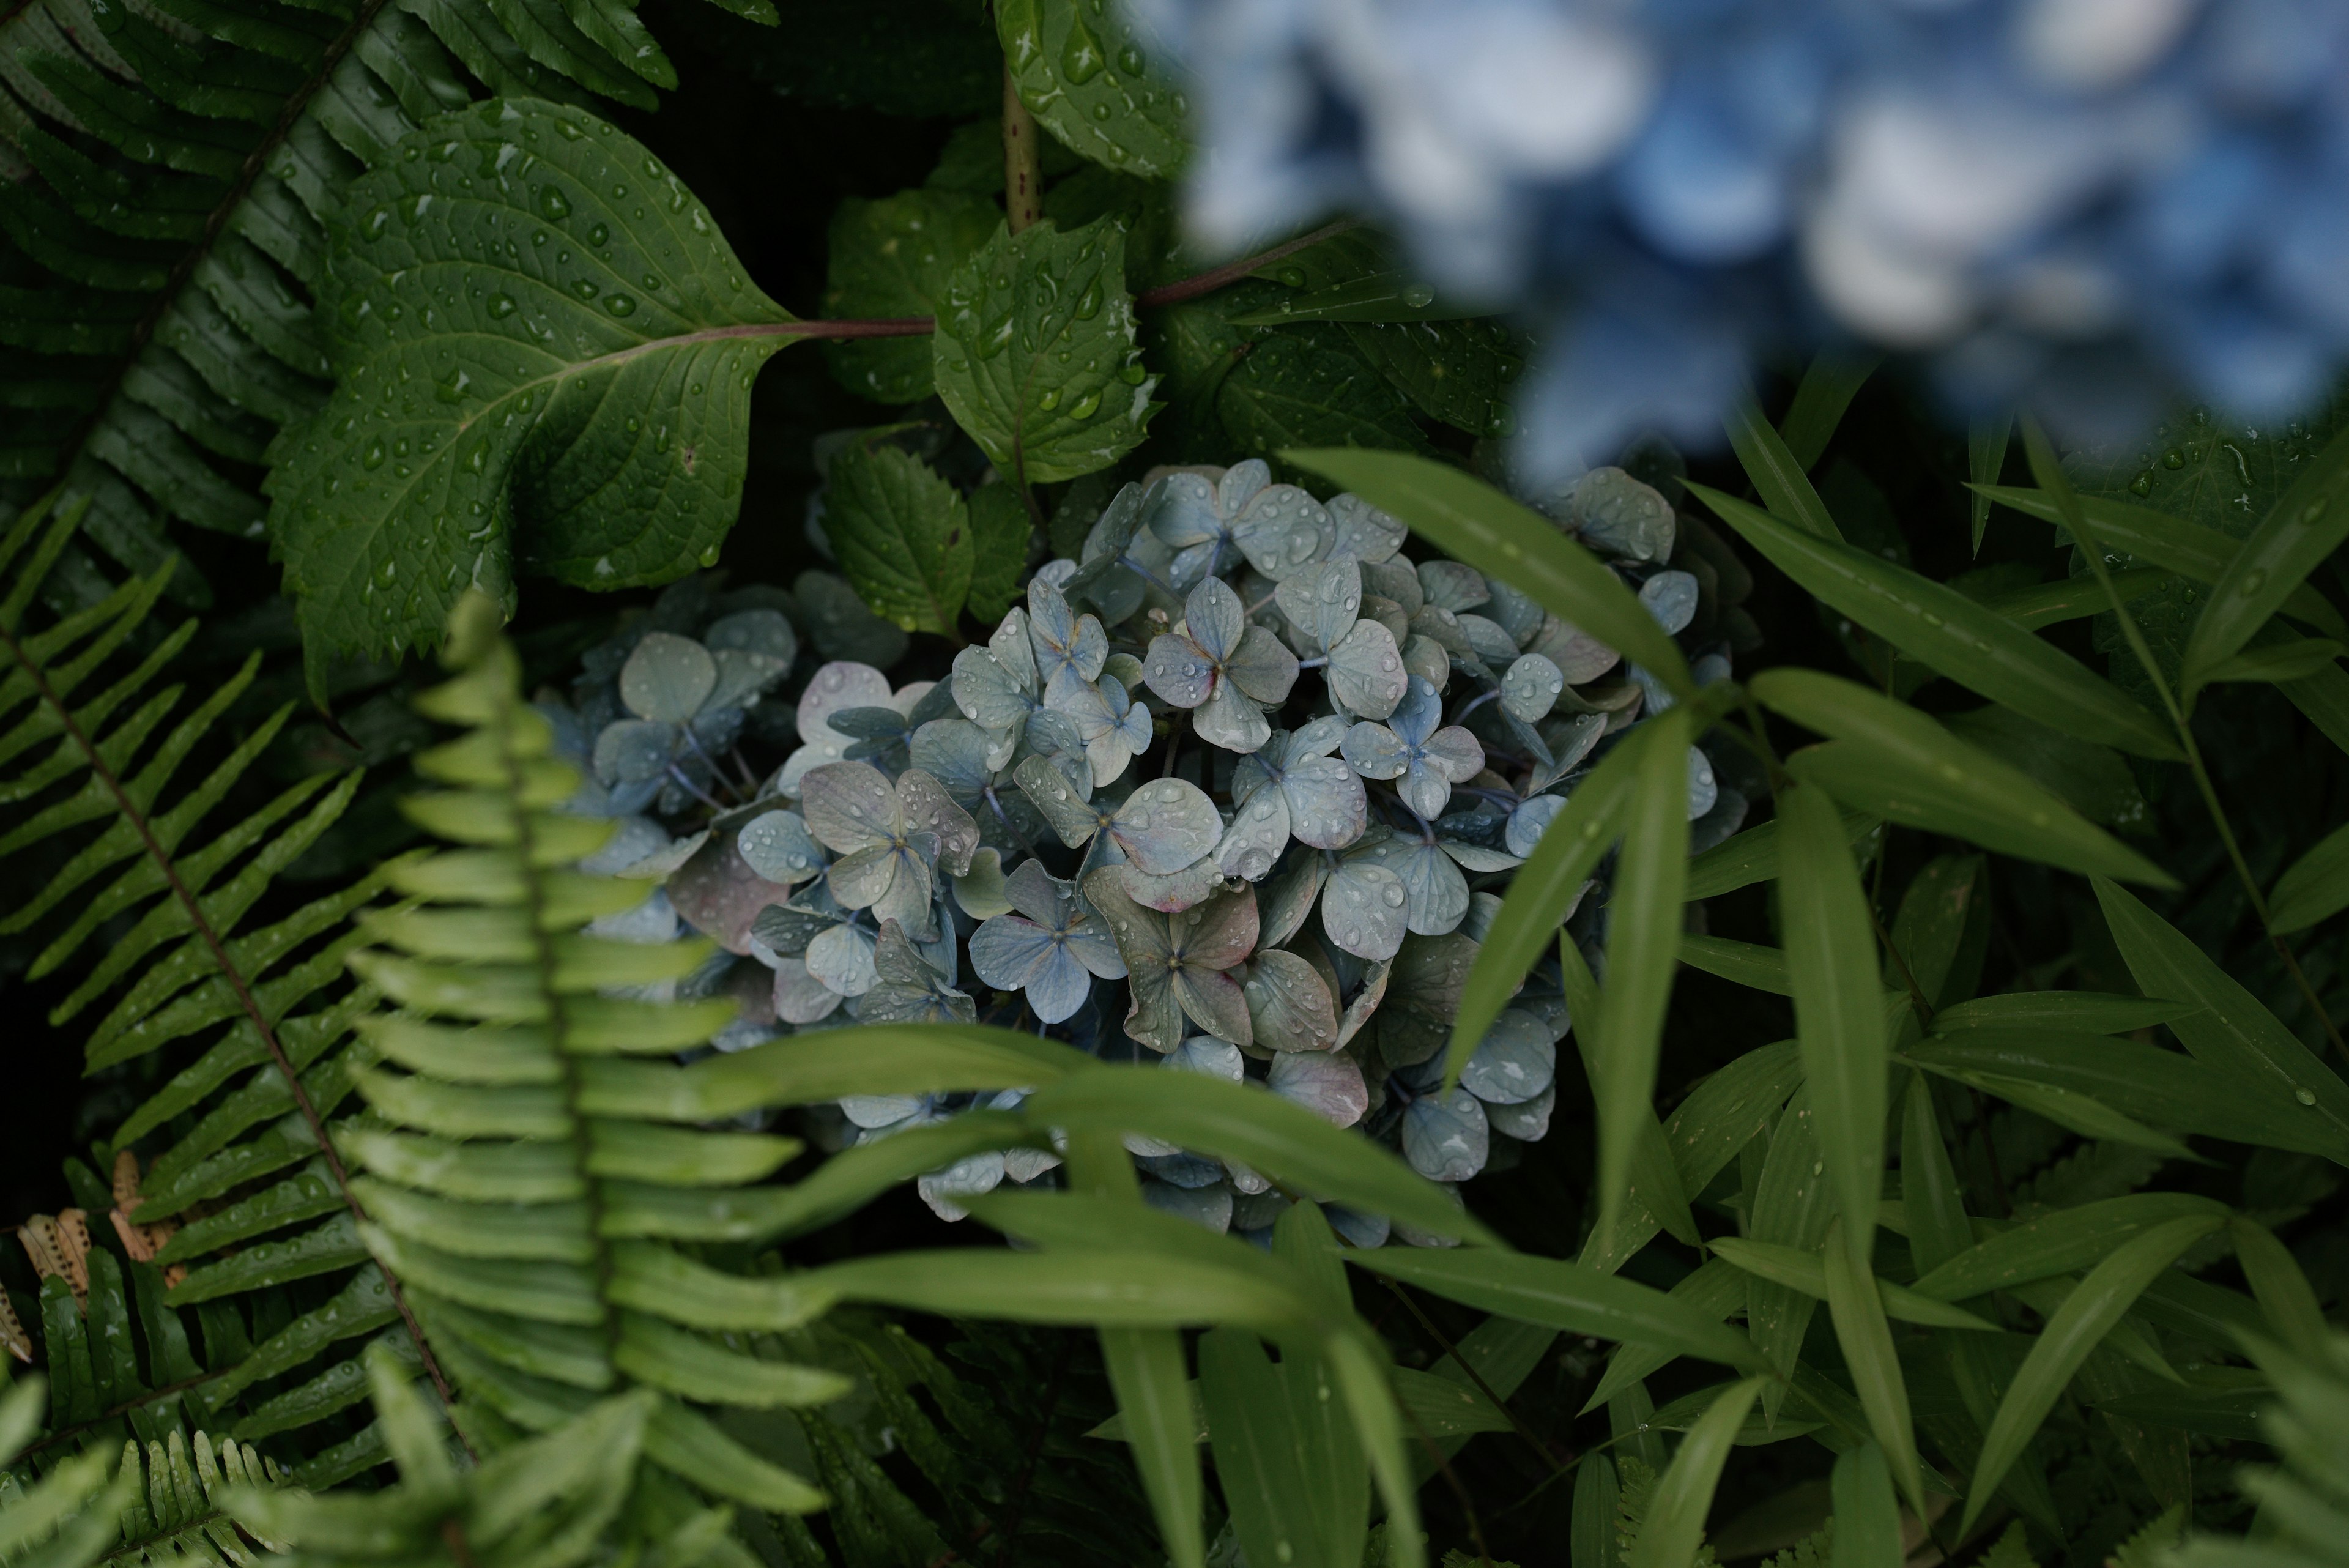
[(1086, 407), (620, 305), (553, 204)]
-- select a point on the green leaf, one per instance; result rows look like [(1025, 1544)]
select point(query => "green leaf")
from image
[(579, 407), (2088, 1315), (1675, 1528), (1942, 628), (2080, 1012), (1081, 71), (1350, 275), (2193, 550), (902, 533), (1285, 1142), (2092, 780), (2313, 887), (1259, 1457), (1590, 1532), (1832, 960), (1562, 1295), (1036, 355), (2052, 604), (1791, 1204), (1866, 1339), (1643, 927), (1544, 889), (2146, 1082), (1829, 385), (1890, 759), (2273, 664), (1497, 535), (1808, 1272), (893, 257), (2059, 1242), (1748, 964), (1127, 1288), (999, 532), (1308, 387), (2066, 1107), (1778, 475), (1459, 372), (1655, 1191), (2232, 1031), (1866, 1518), (1752, 856), (1987, 438), (2303, 527), (2282, 1288)]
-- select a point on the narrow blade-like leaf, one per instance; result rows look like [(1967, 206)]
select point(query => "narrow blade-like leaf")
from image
[(1866, 1338), (2303, 527), (1832, 960), (1674, 1527), (1986, 443), (1942, 628), (1866, 1518), (2316, 887), (1889, 758), (2088, 1315), (1778, 473), (1832, 379), (1642, 948)]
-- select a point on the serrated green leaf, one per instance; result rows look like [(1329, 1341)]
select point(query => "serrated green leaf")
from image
[(2088, 1315), (1942, 628), (1890, 759), (1307, 387), (1035, 352), (2228, 1030), (903, 535), (893, 257), (1000, 533), (1476, 523), (577, 407), (1832, 960), (1081, 71), (1460, 372)]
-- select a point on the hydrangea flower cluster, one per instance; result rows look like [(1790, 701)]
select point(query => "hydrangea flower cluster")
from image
[(1238, 790), (2082, 204)]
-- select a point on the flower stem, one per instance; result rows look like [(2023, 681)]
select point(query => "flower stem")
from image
[(1023, 161)]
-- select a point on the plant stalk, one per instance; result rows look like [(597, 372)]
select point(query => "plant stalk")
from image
[(1023, 161)]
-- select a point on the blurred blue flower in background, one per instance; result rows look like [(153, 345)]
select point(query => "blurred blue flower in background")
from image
[(2083, 206)]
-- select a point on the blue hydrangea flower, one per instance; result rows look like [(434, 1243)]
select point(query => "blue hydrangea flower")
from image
[(2085, 206)]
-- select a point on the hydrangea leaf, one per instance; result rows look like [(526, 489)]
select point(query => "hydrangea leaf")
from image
[(1079, 71), (554, 371), (1000, 530), (892, 257), (1306, 386), (903, 535), (1036, 355), (1460, 372)]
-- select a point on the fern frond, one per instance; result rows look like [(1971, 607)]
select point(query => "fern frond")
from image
[(97, 811), (536, 1239), (70, 1516), (165, 170)]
